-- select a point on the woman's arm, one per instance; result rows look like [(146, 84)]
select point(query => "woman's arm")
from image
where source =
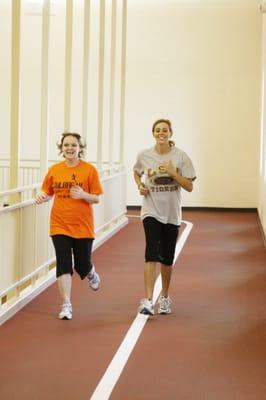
[(185, 183), (42, 198), (137, 179), (141, 186), (76, 192)]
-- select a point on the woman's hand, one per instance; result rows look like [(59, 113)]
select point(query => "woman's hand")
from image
[(76, 192), (42, 198), (143, 190), (185, 183), (170, 168)]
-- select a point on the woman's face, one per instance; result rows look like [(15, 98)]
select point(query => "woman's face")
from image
[(162, 133), (70, 148)]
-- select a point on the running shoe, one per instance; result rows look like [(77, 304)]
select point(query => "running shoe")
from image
[(66, 311), (146, 307), (164, 305), (94, 279)]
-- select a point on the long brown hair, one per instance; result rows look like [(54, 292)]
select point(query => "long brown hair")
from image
[(168, 122)]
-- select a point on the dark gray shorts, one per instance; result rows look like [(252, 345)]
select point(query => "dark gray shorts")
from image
[(67, 249), (160, 241)]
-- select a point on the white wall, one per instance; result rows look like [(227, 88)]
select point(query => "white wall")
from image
[(262, 171), (198, 63)]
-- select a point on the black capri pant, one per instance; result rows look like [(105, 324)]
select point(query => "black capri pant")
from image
[(65, 247), (160, 241)]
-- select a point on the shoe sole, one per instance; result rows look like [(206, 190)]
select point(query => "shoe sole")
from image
[(145, 311), (95, 289), (164, 312)]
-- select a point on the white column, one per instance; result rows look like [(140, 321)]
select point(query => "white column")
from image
[(101, 83), (112, 81), (68, 63), (85, 82), (15, 96), (44, 139), (123, 80)]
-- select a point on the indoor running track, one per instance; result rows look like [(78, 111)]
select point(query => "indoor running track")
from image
[(212, 346)]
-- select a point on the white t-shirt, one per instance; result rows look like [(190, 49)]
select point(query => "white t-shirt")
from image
[(163, 202)]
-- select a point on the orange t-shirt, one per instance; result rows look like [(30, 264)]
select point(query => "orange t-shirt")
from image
[(71, 217)]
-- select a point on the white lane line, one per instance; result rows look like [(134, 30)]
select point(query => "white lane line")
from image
[(115, 368)]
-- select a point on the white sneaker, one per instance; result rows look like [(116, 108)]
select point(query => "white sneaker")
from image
[(66, 311), (164, 305), (146, 307), (94, 279)]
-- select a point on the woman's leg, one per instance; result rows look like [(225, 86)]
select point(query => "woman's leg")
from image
[(64, 268), (169, 238), (64, 285), (82, 249), (166, 273), (152, 231), (149, 278)]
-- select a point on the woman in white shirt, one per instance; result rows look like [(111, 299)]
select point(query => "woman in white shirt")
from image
[(160, 172)]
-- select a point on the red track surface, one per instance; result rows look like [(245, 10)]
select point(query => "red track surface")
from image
[(212, 347)]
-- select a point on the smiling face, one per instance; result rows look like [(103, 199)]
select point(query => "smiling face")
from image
[(162, 133), (70, 148)]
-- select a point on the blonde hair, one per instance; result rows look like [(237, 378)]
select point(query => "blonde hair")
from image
[(168, 122)]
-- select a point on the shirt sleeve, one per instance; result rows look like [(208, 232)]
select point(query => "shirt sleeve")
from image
[(138, 167), (47, 185), (95, 186), (187, 168)]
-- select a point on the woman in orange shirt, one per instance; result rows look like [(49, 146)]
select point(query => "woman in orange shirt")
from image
[(74, 185)]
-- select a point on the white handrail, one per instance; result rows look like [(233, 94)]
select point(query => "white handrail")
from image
[(26, 250)]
